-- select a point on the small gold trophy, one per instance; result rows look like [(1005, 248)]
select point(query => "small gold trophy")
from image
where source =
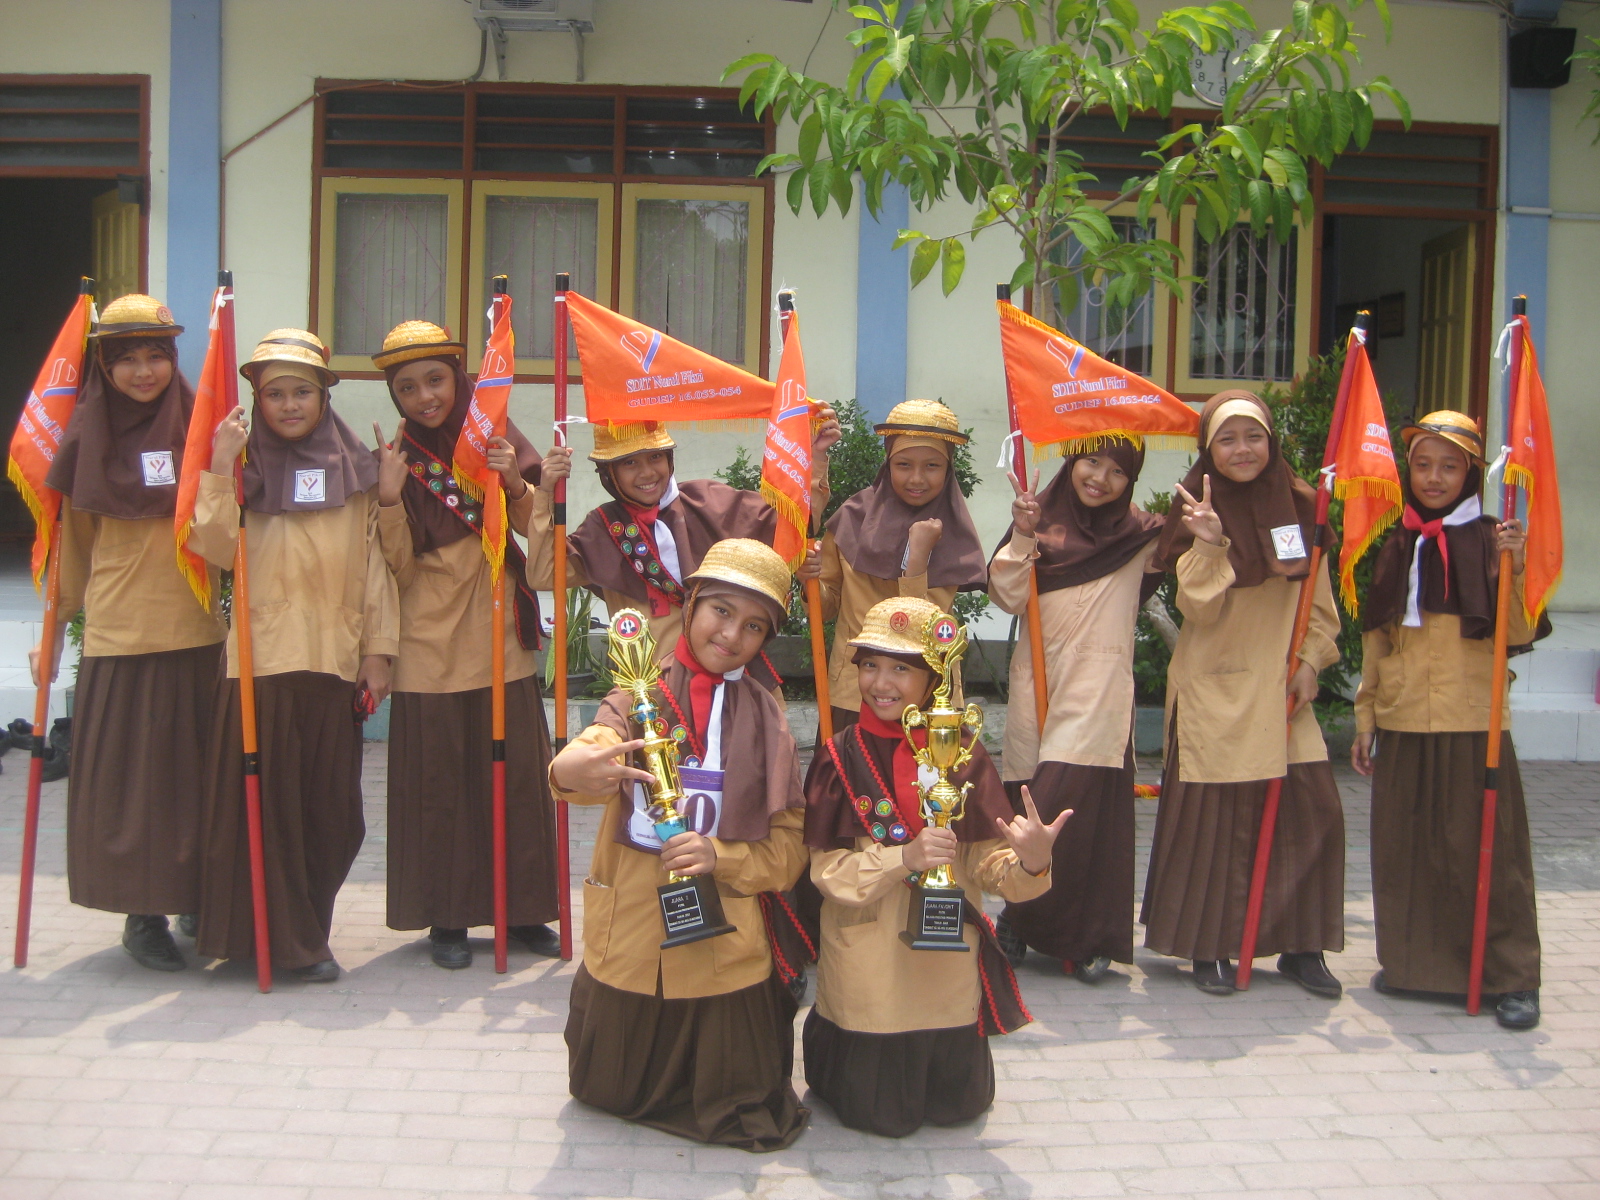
[(691, 909), (937, 904)]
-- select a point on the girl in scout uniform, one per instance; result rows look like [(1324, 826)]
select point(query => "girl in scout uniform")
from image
[(150, 650), (1422, 719)]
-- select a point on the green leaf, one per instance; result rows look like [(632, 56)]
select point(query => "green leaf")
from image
[(1246, 142), (1022, 277), (841, 187), (1383, 87), (953, 263), (906, 236), (817, 180), (796, 191), (882, 76), (810, 138), (922, 260)]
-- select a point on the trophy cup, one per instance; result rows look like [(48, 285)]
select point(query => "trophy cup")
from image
[(691, 909), (937, 904)]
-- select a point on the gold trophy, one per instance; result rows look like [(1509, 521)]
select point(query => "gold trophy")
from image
[(937, 904), (691, 909)]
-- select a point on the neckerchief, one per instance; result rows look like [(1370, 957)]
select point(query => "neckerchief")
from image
[(702, 689), (894, 815), (1467, 511), (637, 534)]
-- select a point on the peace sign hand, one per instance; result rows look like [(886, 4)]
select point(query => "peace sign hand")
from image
[(393, 466), (1025, 509), (1199, 516), (1031, 839)]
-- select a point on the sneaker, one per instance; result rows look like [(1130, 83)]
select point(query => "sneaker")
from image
[(1518, 1010), (540, 939), (1092, 970), (149, 941), (325, 971), (1215, 978), (189, 925), (1310, 970), (450, 949), (1011, 943)]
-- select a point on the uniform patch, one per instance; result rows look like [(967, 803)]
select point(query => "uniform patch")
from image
[(158, 468), (311, 487), (1288, 542)]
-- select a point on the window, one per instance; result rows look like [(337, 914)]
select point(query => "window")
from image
[(643, 195), (85, 126), (1134, 338)]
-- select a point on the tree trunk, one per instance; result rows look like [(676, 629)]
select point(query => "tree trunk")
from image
[(1156, 609)]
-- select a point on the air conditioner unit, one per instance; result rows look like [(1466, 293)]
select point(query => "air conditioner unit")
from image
[(535, 16)]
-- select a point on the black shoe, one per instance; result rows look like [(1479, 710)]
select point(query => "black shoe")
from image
[(1011, 943), (1518, 1010), (1214, 978), (60, 735), (540, 939), (19, 735), (56, 764), (189, 925), (450, 949), (150, 942), (1310, 971), (1092, 970), (325, 971)]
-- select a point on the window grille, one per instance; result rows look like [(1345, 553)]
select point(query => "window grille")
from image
[(72, 127), (1244, 307)]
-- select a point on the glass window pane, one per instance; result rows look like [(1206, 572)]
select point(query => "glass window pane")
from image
[(1244, 307), (1125, 336), (690, 272), (529, 239), (389, 266)]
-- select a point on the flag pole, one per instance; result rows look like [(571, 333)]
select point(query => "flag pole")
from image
[(497, 709), (812, 587), (1019, 467), (1302, 622), (41, 718), (1497, 699), (559, 590)]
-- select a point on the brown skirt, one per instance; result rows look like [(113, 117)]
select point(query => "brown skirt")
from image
[(715, 1069), (138, 769), (1088, 910), (1204, 848), (1427, 798), (441, 807), (893, 1084), (310, 745)]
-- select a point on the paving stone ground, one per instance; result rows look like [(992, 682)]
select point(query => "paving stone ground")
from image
[(405, 1082)]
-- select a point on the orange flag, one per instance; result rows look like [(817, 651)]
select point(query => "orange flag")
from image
[(1531, 464), (633, 374), (214, 399), (1365, 475), (1070, 400), (486, 418), (786, 462), (44, 423)]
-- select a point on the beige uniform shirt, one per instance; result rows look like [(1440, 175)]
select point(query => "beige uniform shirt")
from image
[(124, 576), (321, 596), (1229, 674), (847, 594), (1430, 679), (622, 911), (447, 608), (1088, 645), (870, 981)]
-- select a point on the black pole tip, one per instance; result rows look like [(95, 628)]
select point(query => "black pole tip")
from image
[(1002, 291), (785, 301), (85, 286), (563, 281), (1363, 320), (1519, 306), (499, 285), (225, 279)]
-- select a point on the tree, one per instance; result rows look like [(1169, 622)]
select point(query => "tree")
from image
[(977, 98)]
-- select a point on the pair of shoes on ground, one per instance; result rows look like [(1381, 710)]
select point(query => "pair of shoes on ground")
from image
[(1308, 968), (148, 939), (1514, 1010), (451, 950), (1012, 945), (58, 746)]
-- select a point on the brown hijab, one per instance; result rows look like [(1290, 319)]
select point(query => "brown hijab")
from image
[(1274, 500), (321, 470), (872, 528), (102, 464), (1078, 544), (432, 524)]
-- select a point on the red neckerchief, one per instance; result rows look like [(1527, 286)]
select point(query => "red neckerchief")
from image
[(702, 688), (903, 767), (1434, 529)]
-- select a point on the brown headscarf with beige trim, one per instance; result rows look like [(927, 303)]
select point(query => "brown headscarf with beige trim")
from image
[(273, 465)]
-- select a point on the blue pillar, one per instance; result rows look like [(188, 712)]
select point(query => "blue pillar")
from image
[(194, 151), (883, 292), (1528, 186)]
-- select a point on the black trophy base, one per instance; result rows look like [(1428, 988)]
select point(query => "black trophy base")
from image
[(691, 911), (935, 920)]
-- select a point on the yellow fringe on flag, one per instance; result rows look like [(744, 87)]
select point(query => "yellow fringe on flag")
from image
[(1091, 442), (1520, 475), (36, 507), (787, 510), (494, 548), (194, 571), (1380, 489)]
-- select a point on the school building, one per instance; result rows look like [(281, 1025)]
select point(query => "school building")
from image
[(359, 162)]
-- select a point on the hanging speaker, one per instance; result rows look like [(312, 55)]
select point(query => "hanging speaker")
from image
[(1540, 57)]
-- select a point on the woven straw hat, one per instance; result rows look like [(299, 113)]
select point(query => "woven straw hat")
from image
[(895, 625), (411, 340), (1455, 428), (609, 447), (136, 315), (290, 346), (752, 565), (922, 418)]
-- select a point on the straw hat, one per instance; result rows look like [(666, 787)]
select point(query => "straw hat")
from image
[(412, 340), (609, 447), (752, 565), (1455, 428), (895, 625), (922, 418), (136, 315), (291, 346)]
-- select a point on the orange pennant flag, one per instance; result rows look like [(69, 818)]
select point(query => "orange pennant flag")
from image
[(633, 374), (214, 399), (786, 461), (1070, 400), (486, 418), (1531, 465), (43, 424), (1365, 475)]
